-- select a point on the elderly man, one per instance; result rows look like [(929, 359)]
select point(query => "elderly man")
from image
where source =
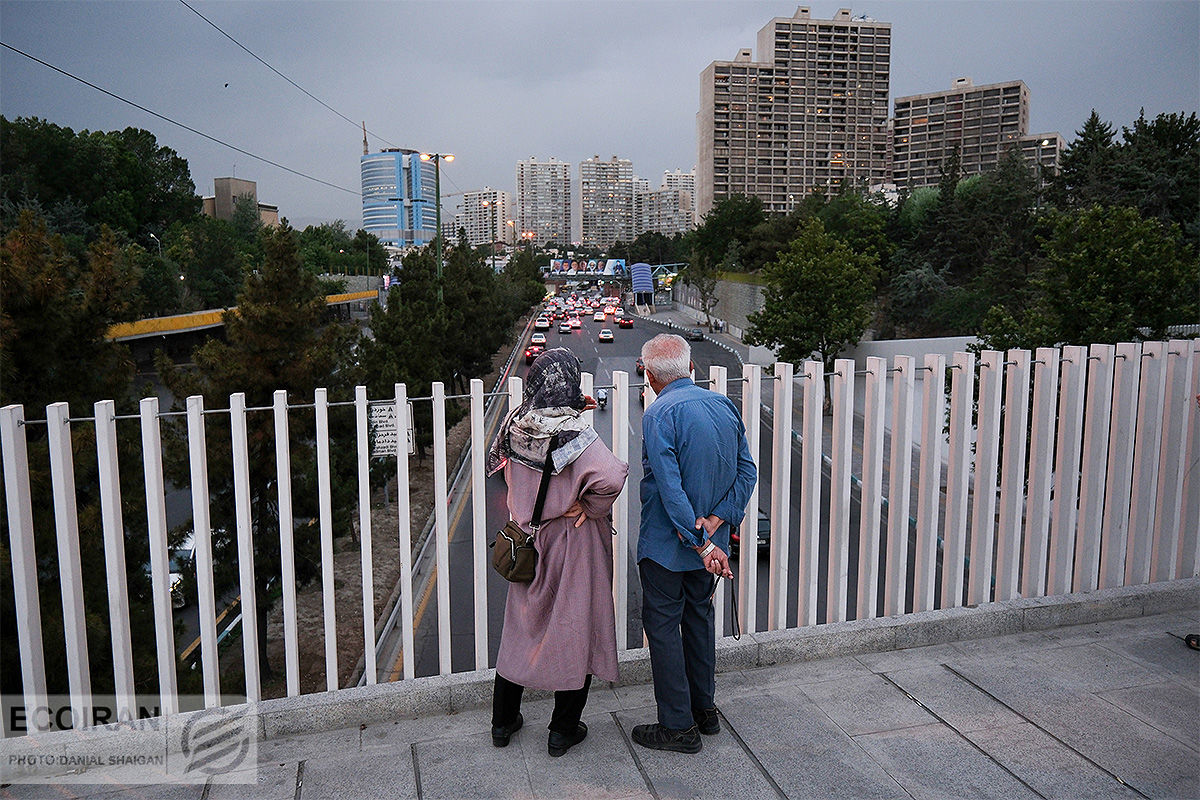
[(697, 478)]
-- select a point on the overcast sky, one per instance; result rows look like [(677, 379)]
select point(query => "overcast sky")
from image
[(494, 82)]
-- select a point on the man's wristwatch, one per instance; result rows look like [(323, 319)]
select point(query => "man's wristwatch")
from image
[(707, 549)]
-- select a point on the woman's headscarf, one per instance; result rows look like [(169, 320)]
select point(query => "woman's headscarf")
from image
[(552, 404)]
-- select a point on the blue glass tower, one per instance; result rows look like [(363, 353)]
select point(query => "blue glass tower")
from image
[(398, 198)]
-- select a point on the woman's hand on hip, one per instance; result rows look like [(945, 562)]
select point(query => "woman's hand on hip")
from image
[(576, 510)]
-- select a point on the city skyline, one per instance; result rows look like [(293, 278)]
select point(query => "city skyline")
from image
[(498, 83)]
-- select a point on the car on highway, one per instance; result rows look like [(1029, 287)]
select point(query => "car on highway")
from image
[(639, 366), (764, 534), (624, 322), (541, 324), (575, 323), (605, 335), (599, 317), (532, 352), (564, 327), (694, 334), (538, 338)]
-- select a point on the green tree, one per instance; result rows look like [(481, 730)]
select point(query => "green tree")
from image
[(278, 338), (818, 298), (1109, 276), (732, 218), (1085, 167)]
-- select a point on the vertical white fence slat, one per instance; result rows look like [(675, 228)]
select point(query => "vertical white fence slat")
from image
[(325, 515), (781, 495), (1114, 533), (70, 569), (1096, 422), (160, 567), (1012, 475), (19, 503), (899, 486), (838, 574), (748, 555), (370, 673), (1147, 444), (287, 542), (109, 474), (620, 440), (1041, 463), (1188, 559), (719, 382), (987, 455), (206, 593), (871, 491), (929, 482), (441, 526), (586, 383), (404, 533), (1177, 410), (958, 474), (811, 424), (1064, 514), (245, 543), (479, 548)]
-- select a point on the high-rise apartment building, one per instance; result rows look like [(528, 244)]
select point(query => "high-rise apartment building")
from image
[(980, 122), (683, 182), (666, 211), (606, 201), (544, 201), (487, 216), (810, 113), (398, 197), (1042, 153)]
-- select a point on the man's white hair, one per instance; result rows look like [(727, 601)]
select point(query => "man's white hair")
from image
[(668, 356)]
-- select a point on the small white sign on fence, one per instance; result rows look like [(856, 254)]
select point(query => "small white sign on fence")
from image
[(384, 436)]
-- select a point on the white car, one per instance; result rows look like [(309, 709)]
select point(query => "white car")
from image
[(537, 338), (605, 335), (599, 316), (541, 324)]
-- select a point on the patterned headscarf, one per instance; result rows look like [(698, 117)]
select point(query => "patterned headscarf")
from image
[(552, 404)]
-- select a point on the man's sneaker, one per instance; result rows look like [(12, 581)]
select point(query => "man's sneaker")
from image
[(656, 737), (707, 720)]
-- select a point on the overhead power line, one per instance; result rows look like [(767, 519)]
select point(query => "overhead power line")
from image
[(253, 55), (180, 124)]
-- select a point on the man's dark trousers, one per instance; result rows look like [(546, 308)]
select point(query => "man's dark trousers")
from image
[(677, 615)]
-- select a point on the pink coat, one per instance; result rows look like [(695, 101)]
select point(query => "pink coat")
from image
[(561, 627)]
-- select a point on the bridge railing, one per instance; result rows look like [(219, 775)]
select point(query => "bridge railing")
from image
[(1066, 470)]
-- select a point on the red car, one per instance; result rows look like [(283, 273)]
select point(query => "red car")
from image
[(625, 322), (532, 352)]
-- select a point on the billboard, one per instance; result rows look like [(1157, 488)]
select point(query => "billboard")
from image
[(587, 266)]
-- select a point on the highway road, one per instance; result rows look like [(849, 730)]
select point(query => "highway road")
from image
[(600, 359)]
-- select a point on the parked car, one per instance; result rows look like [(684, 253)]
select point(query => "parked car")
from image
[(605, 335), (694, 334), (764, 534), (624, 322), (532, 352), (538, 338)]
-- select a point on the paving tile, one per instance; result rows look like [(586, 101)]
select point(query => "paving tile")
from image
[(1162, 653), (350, 775), (1000, 646), (932, 761), (601, 766), (806, 754), (311, 745), (272, 782), (469, 766), (720, 770), (866, 705), (957, 702), (1169, 707), (102, 791), (1110, 629), (912, 658), (1092, 668), (1047, 765), (1139, 754), (404, 732)]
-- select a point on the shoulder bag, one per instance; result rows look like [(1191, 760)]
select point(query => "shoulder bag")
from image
[(513, 553)]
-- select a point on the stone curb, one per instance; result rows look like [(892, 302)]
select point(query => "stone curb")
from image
[(443, 694)]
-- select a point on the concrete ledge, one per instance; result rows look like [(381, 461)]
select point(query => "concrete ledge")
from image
[(445, 694)]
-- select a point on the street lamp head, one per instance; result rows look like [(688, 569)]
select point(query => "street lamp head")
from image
[(448, 157), (426, 156)]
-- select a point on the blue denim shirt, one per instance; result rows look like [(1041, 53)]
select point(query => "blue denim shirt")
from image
[(695, 462)]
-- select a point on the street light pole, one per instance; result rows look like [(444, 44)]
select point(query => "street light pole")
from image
[(159, 242), (437, 159)]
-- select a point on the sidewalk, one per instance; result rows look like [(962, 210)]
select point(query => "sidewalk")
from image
[(1102, 710)]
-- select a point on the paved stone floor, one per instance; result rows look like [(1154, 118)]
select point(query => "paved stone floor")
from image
[(1107, 710)]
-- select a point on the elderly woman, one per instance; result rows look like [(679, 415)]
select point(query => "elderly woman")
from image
[(559, 630)]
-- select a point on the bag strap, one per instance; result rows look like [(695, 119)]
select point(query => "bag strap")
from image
[(547, 468)]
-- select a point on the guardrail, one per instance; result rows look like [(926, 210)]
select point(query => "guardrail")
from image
[(1069, 470)]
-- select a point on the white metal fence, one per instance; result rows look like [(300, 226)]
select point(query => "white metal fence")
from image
[(1066, 470)]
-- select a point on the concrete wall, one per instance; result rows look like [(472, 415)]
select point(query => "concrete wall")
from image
[(735, 302)]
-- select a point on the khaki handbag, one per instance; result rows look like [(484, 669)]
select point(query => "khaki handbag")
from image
[(513, 552)]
